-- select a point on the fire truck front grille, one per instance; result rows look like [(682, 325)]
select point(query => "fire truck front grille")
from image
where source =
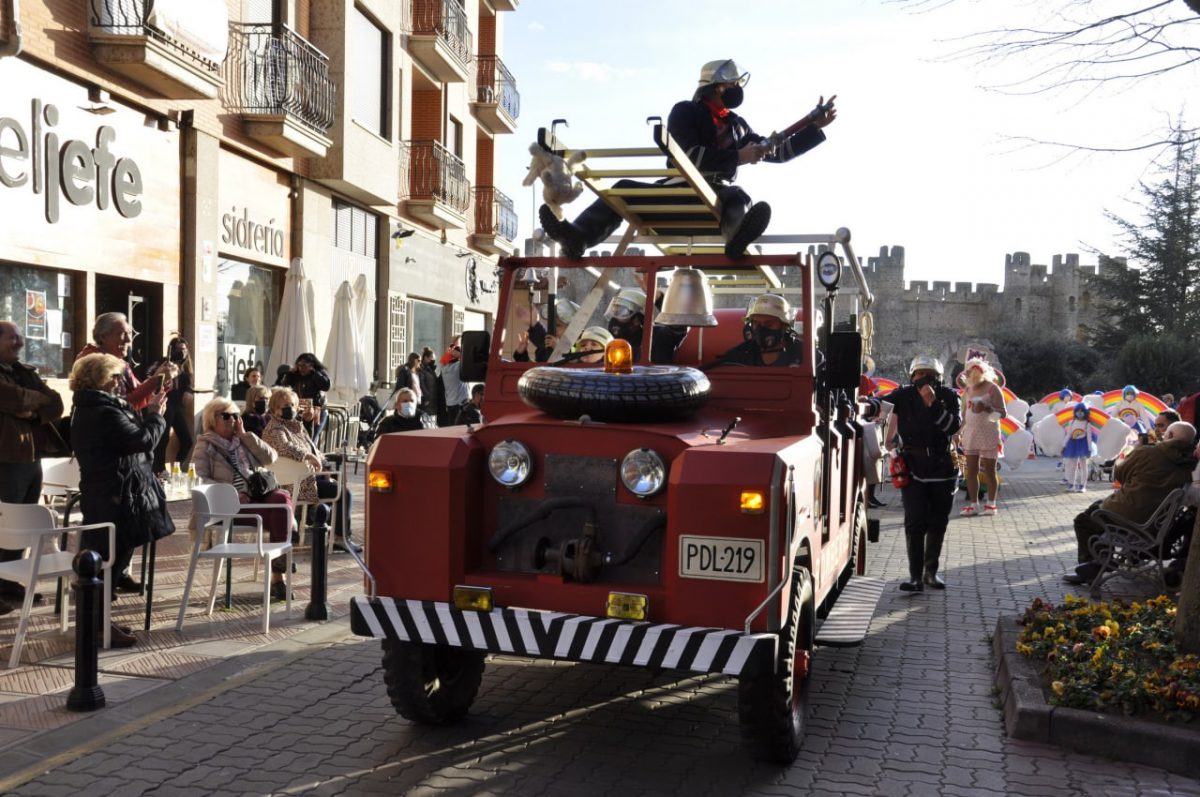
[(579, 489)]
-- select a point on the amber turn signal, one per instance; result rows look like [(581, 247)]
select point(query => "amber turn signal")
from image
[(627, 606), (618, 357), (753, 502), (473, 599), (379, 481)]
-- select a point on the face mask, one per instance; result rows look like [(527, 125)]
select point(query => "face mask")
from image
[(288, 413), (408, 409), (767, 339), (177, 357), (625, 332), (932, 381), (733, 97), (260, 406)]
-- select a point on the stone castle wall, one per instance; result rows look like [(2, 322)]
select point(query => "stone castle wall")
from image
[(1058, 301)]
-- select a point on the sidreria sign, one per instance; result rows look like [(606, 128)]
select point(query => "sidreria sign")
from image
[(239, 230), (70, 170)]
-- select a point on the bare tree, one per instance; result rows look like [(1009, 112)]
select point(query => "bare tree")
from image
[(1081, 44)]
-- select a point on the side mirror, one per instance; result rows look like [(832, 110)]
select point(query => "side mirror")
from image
[(843, 363), (476, 344)]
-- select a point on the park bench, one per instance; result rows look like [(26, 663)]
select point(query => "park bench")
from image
[(1136, 550)]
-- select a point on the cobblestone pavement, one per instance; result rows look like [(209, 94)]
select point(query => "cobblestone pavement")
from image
[(910, 712)]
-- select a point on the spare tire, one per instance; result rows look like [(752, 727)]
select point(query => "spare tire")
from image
[(650, 393)]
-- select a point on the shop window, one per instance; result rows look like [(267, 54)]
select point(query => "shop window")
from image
[(428, 326), (247, 313), (369, 70), (355, 230), (42, 303)]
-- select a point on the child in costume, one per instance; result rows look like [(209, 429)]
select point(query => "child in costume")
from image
[(1079, 447)]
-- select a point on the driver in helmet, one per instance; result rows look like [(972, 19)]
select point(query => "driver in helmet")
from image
[(927, 416), (770, 335), (626, 316), (717, 141)]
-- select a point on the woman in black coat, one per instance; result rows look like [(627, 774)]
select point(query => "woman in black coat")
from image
[(115, 445), (309, 379)]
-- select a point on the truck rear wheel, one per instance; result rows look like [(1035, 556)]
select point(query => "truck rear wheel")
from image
[(434, 684), (773, 706)]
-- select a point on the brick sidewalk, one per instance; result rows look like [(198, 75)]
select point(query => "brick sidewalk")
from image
[(910, 712), (33, 696)]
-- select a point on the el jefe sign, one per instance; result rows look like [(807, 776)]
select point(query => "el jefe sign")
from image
[(71, 169)]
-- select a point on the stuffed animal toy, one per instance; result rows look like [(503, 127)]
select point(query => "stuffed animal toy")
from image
[(558, 187)]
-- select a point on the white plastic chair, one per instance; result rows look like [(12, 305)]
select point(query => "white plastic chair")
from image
[(31, 528), (218, 512), (291, 474), (60, 480)]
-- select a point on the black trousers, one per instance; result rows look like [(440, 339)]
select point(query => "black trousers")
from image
[(1086, 527), (174, 416), (20, 483), (926, 515)]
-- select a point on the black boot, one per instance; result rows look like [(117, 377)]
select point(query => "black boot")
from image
[(746, 226), (562, 232)]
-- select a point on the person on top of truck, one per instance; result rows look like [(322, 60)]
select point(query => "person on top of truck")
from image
[(717, 141), (544, 342), (626, 316), (770, 335), (927, 416)]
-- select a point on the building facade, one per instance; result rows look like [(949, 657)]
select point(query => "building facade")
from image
[(172, 160)]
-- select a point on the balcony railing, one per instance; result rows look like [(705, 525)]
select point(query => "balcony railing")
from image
[(272, 71), (496, 84), (430, 171), (494, 214), (447, 20), (135, 18)]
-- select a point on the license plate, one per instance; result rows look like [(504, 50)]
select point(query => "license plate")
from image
[(721, 558)]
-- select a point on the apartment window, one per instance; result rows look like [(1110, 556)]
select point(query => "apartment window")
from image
[(428, 325), (454, 137), (369, 69), (355, 229)]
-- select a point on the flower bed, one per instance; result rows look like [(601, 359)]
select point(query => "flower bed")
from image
[(1113, 656)]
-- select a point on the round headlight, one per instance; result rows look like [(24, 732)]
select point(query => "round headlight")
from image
[(643, 472), (510, 463)]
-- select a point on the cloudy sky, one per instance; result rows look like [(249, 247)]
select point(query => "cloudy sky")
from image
[(923, 154)]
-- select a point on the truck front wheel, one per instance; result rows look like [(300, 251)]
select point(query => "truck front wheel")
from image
[(773, 706), (434, 684)]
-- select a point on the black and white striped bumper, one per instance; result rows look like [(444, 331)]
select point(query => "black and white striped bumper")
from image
[(573, 637)]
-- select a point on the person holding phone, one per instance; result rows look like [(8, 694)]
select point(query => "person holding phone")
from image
[(178, 412), (309, 379)]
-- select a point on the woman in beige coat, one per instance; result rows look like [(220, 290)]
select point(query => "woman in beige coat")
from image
[(285, 433), (227, 453)]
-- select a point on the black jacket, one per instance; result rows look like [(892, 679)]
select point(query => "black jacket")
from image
[(115, 447), (429, 389), (925, 432), (311, 387), (398, 423), (691, 125)]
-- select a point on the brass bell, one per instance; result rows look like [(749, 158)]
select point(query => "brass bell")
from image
[(688, 301)]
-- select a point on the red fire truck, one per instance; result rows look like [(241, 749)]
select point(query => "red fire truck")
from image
[(696, 515)]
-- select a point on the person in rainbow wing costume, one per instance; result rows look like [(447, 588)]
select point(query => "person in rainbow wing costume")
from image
[(1079, 446)]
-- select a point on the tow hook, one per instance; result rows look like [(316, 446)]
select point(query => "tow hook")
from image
[(576, 559)]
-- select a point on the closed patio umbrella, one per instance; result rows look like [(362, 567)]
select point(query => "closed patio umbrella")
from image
[(364, 314), (343, 352), (296, 331)]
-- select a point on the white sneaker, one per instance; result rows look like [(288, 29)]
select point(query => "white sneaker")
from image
[(989, 509), (970, 510)]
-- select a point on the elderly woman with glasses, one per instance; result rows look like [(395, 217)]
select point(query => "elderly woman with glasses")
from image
[(115, 444), (227, 453), (285, 432)]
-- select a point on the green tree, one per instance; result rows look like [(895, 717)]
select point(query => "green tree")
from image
[(1165, 363), (1035, 365), (1163, 296)]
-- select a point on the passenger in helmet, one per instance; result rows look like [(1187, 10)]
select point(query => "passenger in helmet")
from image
[(927, 416), (770, 335), (717, 141), (543, 342), (593, 341), (626, 317)]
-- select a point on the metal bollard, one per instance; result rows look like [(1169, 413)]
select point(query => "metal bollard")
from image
[(87, 695), (318, 608)]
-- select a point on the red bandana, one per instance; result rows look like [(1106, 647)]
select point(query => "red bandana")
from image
[(718, 111)]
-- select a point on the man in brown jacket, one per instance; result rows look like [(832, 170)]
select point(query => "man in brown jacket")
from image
[(1147, 476), (27, 408)]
